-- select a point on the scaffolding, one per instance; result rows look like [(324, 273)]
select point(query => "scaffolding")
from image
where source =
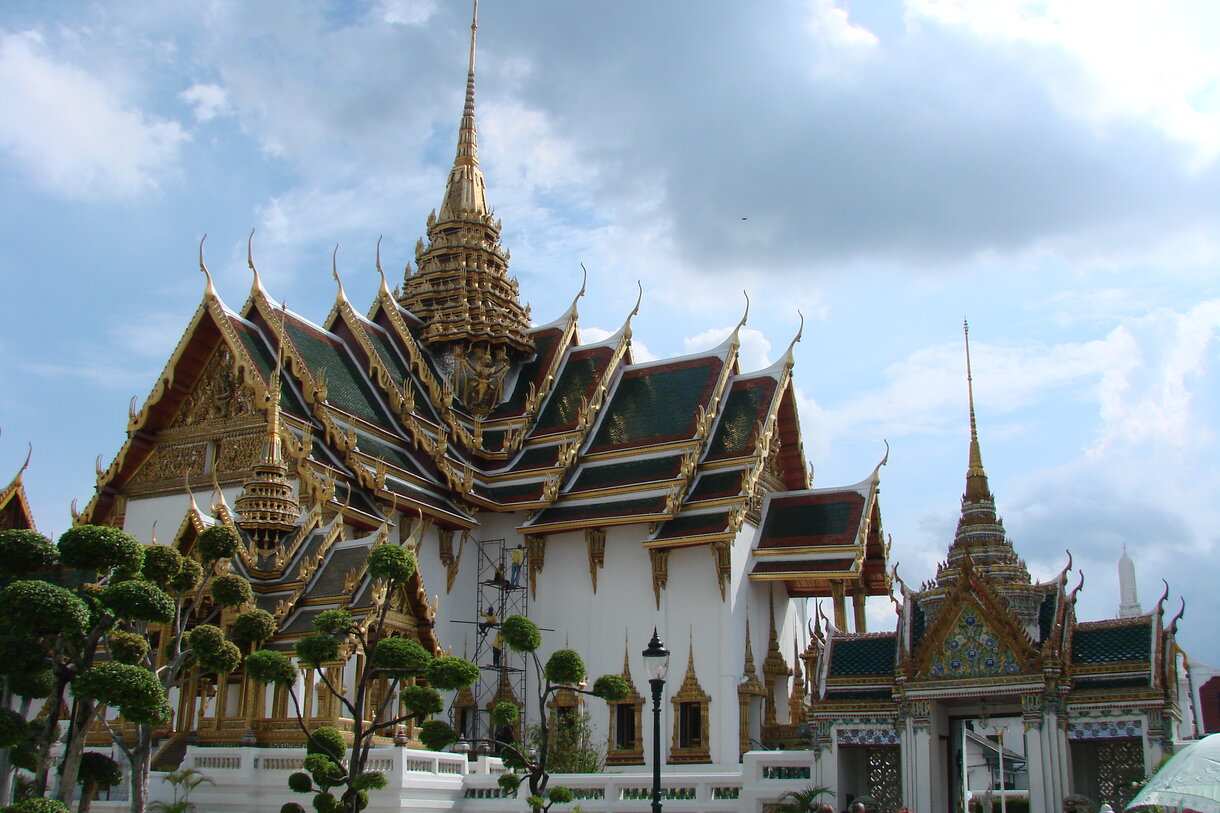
[(501, 593)]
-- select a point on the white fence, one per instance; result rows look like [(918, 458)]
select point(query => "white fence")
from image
[(255, 780)]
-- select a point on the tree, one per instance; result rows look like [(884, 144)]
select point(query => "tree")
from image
[(801, 801), (73, 595), (200, 592), (564, 670), (96, 771), (404, 664)]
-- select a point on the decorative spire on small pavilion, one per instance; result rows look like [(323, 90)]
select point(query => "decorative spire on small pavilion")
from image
[(267, 509), (1129, 603), (473, 318)]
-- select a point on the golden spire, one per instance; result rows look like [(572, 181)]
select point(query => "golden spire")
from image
[(266, 507), (974, 475), (465, 197)]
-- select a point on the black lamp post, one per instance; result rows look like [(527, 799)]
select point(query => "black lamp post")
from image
[(656, 661)]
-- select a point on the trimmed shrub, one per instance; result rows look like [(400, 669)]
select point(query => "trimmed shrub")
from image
[(100, 548)]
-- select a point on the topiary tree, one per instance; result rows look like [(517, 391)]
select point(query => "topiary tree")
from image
[(96, 771), (564, 670), (196, 592), (415, 677)]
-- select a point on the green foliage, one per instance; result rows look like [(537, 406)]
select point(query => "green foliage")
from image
[(449, 673), (400, 655), (205, 636), (100, 548), (422, 699), (521, 634), (509, 782), (571, 746), (391, 562), (222, 660), (560, 795), (436, 735), (23, 552), (37, 684), (254, 626), (327, 803), (19, 653), (802, 801), (128, 647), (300, 782), (505, 714), (328, 741), (566, 667), (292, 807), (99, 769), (184, 781), (134, 690), (36, 806), (217, 542), (231, 590), (315, 650), (13, 730), (140, 600), (188, 577), (332, 621), (611, 688), (325, 772), (39, 608), (369, 780), (269, 666), (161, 564), (535, 801)]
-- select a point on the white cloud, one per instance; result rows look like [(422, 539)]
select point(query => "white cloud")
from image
[(753, 354), (208, 100), (406, 12), (67, 130)]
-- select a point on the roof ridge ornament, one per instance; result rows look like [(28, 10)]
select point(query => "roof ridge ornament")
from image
[(211, 288), (334, 270), (385, 286), (789, 358), (258, 283), (745, 315)]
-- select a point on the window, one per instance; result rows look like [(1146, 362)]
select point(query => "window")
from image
[(624, 726), (690, 725)]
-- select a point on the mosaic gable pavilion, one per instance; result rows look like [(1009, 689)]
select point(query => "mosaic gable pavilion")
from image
[(601, 496)]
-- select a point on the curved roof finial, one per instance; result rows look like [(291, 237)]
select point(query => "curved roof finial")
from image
[(1173, 625), (1062, 578), (334, 270), (635, 311), (29, 454), (211, 289), (1160, 605), (800, 331), (258, 283), (384, 285), (745, 315)]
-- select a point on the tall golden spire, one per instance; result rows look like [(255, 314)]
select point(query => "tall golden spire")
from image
[(976, 478), (267, 509), (473, 318)]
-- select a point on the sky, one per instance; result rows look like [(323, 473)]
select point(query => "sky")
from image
[(1049, 170)]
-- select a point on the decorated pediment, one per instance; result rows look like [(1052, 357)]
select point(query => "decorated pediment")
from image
[(972, 647), (219, 397)]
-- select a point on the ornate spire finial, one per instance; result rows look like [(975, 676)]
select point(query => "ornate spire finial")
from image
[(745, 315), (977, 489), (385, 287), (334, 271), (800, 331), (258, 283), (211, 289)]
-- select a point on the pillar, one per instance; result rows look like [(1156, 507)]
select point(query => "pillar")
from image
[(836, 594), (858, 598)]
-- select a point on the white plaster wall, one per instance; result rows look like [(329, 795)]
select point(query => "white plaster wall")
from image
[(167, 511)]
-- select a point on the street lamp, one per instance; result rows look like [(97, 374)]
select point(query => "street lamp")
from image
[(656, 661)]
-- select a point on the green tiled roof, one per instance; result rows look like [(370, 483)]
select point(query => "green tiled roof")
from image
[(1085, 684), (656, 404), (718, 484), (604, 509), (537, 457), (346, 387), (871, 655), (694, 525), (1046, 614), (515, 492), (393, 455), (864, 694), (1126, 642), (544, 346), (918, 623), (397, 369), (742, 410), (264, 359), (341, 562), (628, 473), (822, 519), (575, 383)]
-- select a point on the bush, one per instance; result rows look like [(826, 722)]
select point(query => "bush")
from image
[(332, 621), (254, 626), (300, 782), (36, 806), (328, 741), (139, 600), (521, 634), (505, 714), (269, 666), (221, 660), (118, 684), (161, 564), (315, 650), (100, 548), (99, 769), (13, 730), (611, 688), (400, 655), (23, 552), (437, 735), (217, 542), (566, 667), (188, 577), (20, 654), (39, 608), (231, 590), (38, 683), (450, 673), (422, 699), (391, 562), (128, 647), (292, 807)]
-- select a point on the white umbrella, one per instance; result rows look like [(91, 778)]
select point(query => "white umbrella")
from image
[(1189, 781)]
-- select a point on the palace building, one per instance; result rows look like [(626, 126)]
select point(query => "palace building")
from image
[(533, 474)]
